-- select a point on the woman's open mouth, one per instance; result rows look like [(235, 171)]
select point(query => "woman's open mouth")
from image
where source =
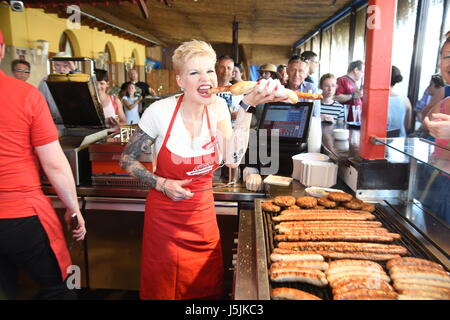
[(204, 90)]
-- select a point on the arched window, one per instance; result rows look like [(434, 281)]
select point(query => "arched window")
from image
[(65, 45)]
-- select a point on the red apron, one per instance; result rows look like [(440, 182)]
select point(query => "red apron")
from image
[(50, 222), (181, 250)]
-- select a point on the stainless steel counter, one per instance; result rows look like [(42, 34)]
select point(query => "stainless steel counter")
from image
[(238, 193), (114, 217)]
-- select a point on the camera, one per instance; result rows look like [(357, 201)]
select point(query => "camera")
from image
[(17, 6)]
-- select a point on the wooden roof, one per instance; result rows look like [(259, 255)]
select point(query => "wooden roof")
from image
[(261, 22)]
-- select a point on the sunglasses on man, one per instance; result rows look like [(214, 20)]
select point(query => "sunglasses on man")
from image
[(21, 71)]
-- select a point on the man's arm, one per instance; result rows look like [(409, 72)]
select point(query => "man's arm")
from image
[(57, 169)]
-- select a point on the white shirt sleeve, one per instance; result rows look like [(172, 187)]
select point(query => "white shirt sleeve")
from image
[(149, 121)]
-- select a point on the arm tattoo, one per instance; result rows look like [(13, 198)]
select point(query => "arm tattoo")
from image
[(139, 143)]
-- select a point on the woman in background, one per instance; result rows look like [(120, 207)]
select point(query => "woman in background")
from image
[(399, 112), (112, 108), (238, 73), (330, 110), (132, 103)]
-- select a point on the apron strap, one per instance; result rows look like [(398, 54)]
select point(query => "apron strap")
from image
[(172, 120)]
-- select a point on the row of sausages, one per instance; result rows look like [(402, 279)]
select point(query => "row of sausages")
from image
[(306, 237)]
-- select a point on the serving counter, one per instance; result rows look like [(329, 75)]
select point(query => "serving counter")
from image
[(109, 258)]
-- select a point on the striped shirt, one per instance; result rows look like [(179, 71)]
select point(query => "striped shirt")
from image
[(335, 109)]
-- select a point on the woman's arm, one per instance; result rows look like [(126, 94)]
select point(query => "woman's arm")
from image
[(140, 143), (120, 113), (234, 142), (435, 99), (130, 106), (408, 116)]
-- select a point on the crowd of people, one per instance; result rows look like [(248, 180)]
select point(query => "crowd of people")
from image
[(182, 255)]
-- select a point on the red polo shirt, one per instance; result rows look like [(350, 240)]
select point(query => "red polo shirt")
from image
[(25, 122), (346, 85)]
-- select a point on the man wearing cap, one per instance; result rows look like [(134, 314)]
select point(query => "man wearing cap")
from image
[(297, 72), (31, 236), (224, 71), (267, 71)]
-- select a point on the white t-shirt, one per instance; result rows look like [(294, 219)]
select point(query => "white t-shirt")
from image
[(156, 119)]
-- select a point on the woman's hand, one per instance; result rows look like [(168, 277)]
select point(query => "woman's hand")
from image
[(439, 127), (113, 121), (79, 233), (174, 189), (264, 91)]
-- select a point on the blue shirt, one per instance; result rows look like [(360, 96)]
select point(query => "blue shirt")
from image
[(310, 87), (447, 91), (420, 105)]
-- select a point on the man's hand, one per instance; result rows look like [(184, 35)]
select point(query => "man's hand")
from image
[(357, 94), (80, 232)]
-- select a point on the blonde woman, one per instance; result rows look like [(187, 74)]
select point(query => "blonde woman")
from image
[(181, 252)]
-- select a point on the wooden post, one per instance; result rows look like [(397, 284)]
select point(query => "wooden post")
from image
[(235, 41), (377, 77)]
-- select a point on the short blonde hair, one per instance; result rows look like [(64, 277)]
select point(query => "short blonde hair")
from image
[(190, 49)]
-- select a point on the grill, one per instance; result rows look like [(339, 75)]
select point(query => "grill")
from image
[(407, 240), (121, 181)]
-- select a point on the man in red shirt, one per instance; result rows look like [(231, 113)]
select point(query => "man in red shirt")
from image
[(31, 236), (348, 92)]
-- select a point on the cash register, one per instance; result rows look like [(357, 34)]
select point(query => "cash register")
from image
[(282, 133)]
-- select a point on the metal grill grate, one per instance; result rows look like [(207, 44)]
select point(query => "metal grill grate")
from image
[(415, 249), (122, 181)]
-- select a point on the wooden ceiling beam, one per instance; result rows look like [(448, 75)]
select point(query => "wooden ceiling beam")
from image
[(143, 6)]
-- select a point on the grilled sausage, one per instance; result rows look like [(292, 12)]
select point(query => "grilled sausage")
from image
[(343, 255), (291, 294), (351, 284), (275, 269), (419, 269), (335, 236), (313, 277), (295, 256), (422, 275), (425, 294), (410, 261), (319, 265), (344, 247), (315, 211), (348, 262), (398, 285), (366, 293), (354, 268), (351, 274), (328, 223), (405, 282), (330, 229), (372, 282)]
